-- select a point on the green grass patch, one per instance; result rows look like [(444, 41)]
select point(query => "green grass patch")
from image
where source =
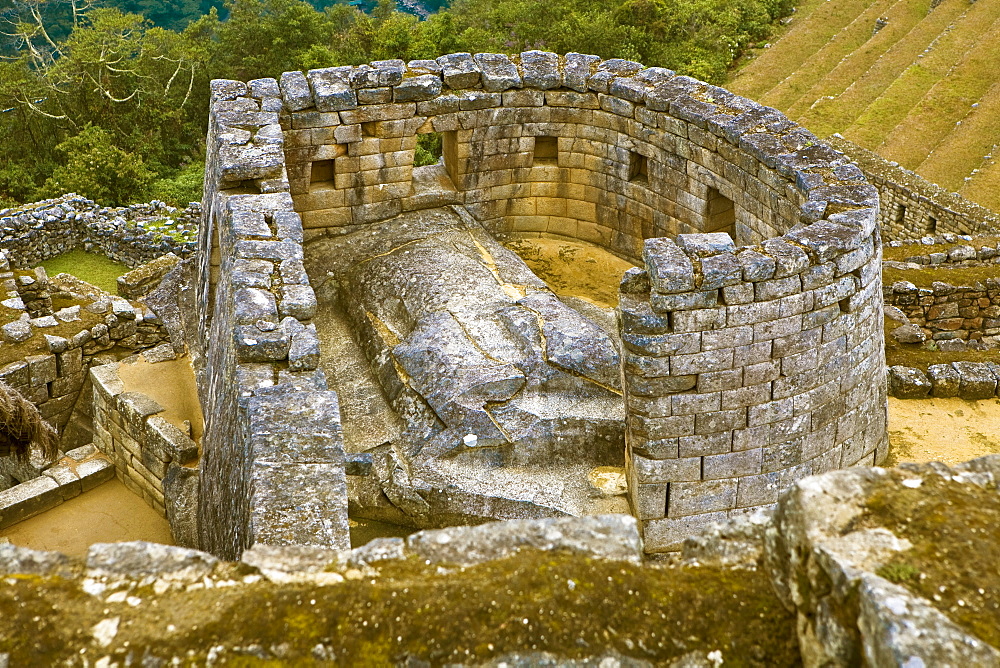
[(899, 99), (91, 267), (948, 101), (956, 547), (815, 66), (923, 278), (814, 23), (964, 149), (984, 187), (840, 79), (828, 116)]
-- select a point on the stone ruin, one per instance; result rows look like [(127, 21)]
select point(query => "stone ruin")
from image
[(364, 340)]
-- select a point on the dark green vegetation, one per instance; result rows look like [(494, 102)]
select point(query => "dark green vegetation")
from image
[(91, 267), (112, 106), (561, 603), (955, 559), (429, 149)]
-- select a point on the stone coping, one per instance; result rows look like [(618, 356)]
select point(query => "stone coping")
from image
[(80, 470)]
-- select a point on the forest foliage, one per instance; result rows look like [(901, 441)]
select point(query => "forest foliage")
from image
[(110, 101)]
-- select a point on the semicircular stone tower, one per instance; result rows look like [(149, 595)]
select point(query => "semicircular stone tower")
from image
[(750, 349)]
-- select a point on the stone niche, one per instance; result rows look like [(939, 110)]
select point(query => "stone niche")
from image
[(748, 348)]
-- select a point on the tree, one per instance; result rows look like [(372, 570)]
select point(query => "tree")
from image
[(99, 170)]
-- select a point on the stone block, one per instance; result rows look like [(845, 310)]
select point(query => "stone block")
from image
[(295, 91), (459, 71), (699, 498), (540, 69), (94, 471), (976, 380), (669, 534), (649, 500), (498, 72), (666, 470), (419, 88), (670, 269), (332, 90), (733, 465), (908, 383), (945, 380), (41, 369), (701, 445), (28, 499)]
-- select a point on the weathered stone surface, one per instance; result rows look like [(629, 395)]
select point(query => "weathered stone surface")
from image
[(976, 380), (945, 380), (180, 492), (670, 269), (459, 70), (116, 560), (909, 334), (16, 560), (825, 567), (295, 91), (331, 90), (540, 69), (498, 72), (415, 89), (908, 383), (603, 536)]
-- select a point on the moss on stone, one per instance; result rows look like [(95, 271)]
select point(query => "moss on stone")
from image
[(955, 559), (566, 604)]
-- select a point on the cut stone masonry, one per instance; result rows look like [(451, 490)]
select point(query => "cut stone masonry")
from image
[(752, 345)]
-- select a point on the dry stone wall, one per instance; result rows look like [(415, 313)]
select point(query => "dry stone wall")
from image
[(913, 207), (273, 464), (752, 358), (132, 235), (948, 312), (153, 457)]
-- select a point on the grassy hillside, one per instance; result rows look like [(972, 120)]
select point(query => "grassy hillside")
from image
[(923, 90)]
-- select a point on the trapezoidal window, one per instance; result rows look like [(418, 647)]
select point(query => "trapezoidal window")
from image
[(546, 151), (899, 214), (931, 226), (429, 149), (321, 173), (638, 168), (720, 214)]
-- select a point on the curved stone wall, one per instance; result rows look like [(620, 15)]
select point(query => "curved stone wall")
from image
[(753, 343)]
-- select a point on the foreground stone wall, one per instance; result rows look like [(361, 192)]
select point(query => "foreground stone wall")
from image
[(132, 235), (272, 469), (913, 207), (747, 368)]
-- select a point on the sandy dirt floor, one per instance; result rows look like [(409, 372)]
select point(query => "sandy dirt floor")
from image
[(106, 514), (943, 430), (172, 385), (573, 268)]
